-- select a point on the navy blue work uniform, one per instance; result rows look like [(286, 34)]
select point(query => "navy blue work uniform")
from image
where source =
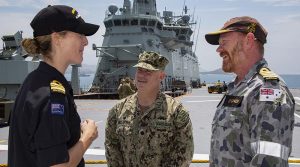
[(44, 123)]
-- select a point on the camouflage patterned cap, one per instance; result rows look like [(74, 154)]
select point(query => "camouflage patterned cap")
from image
[(152, 61), (244, 24)]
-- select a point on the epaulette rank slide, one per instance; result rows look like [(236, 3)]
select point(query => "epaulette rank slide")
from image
[(267, 74), (56, 86)]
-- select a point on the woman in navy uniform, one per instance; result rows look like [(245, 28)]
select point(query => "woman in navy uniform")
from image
[(45, 128)]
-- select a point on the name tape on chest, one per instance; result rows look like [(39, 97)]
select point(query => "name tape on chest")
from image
[(57, 109), (56, 86), (233, 101), (269, 94)]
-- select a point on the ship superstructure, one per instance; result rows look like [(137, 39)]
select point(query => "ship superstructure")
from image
[(138, 27)]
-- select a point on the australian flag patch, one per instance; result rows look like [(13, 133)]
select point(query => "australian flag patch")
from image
[(57, 109)]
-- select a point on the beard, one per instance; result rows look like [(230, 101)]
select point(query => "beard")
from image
[(230, 58)]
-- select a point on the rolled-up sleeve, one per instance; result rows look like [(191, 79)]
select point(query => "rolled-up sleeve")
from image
[(271, 129), (112, 145)]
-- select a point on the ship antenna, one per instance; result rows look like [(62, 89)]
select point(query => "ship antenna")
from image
[(184, 9), (197, 37), (194, 29)]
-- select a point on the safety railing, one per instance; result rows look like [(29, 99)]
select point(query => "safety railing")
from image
[(198, 161)]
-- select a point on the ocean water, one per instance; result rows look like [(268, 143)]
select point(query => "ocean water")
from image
[(293, 81)]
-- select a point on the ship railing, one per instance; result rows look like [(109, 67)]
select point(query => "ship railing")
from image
[(295, 161), (102, 90)]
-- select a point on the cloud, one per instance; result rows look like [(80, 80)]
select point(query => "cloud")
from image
[(28, 3), (292, 18), (219, 9), (4, 3), (280, 2)]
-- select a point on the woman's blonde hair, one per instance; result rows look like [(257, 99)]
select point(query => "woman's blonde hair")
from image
[(39, 45)]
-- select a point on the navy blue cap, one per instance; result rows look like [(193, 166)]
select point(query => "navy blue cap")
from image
[(58, 18)]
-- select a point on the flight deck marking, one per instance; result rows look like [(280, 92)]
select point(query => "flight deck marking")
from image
[(202, 101), (297, 98), (296, 115), (102, 153), (210, 96)]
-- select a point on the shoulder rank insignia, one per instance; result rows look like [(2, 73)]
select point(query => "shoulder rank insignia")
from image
[(56, 86), (268, 74)]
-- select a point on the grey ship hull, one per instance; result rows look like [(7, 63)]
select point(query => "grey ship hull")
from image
[(133, 31)]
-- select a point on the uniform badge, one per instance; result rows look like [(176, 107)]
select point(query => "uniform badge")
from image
[(56, 86), (268, 74), (57, 109), (233, 101), (269, 94)]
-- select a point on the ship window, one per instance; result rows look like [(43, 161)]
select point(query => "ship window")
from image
[(151, 23), (126, 41), (125, 22), (181, 37), (150, 30), (144, 29), (144, 22), (183, 31), (117, 22), (177, 31), (108, 24), (159, 25), (134, 22)]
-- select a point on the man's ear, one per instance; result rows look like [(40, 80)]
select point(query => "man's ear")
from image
[(250, 40), (162, 75)]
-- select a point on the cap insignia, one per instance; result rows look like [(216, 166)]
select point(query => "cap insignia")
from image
[(74, 12), (251, 28)]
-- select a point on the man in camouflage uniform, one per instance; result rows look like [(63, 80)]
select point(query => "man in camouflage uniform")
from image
[(149, 128), (254, 122), (125, 89)]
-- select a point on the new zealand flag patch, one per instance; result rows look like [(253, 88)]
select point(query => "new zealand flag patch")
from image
[(57, 109)]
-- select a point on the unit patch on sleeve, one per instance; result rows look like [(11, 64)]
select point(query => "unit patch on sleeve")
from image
[(57, 109), (233, 101), (56, 86), (269, 94)]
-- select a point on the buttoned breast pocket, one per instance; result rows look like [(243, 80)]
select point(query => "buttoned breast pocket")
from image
[(124, 129), (162, 133)]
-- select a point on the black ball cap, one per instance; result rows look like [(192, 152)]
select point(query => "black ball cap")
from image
[(58, 18)]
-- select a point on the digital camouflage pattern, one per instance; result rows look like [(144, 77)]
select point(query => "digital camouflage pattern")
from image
[(158, 136), (248, 131), (125, 89), (152, 61)]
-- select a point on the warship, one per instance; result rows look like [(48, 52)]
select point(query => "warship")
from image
[(137, 27), (15, 65)]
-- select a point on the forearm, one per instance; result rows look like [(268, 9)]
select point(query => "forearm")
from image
[(76, 152)]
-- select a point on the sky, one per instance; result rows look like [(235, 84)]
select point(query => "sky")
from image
[(281, 18)]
